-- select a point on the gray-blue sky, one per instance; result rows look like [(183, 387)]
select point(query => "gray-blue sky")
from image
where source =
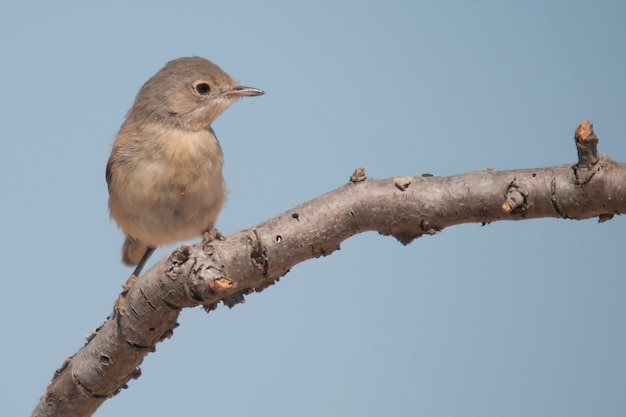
[(512, 319)]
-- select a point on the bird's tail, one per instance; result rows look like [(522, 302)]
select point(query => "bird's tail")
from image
[(132, 251)]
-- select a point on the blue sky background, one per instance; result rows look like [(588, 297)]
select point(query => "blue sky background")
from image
[(512, 319)]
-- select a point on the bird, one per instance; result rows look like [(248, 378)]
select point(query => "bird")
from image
[(164, 174)]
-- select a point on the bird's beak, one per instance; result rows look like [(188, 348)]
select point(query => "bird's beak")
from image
[(241, 91)]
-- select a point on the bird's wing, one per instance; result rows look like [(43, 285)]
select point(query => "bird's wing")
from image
[(109, 173)]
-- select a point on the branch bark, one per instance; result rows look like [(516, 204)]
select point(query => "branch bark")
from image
[(252, 259)]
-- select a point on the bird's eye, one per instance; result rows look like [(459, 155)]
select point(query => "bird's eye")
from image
[(202, 88)]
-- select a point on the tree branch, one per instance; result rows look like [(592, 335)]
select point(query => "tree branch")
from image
[(252, 259)]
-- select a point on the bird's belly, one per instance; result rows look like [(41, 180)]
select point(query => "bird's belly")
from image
[(164, 209)]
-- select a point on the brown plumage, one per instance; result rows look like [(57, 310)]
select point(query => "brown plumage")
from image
[(165, 170)]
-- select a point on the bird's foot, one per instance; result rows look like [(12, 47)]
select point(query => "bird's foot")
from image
[(211, 235)]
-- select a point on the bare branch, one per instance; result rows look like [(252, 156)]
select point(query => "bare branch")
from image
[(252, 259)]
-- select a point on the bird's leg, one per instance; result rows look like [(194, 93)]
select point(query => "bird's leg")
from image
[(144, 259)]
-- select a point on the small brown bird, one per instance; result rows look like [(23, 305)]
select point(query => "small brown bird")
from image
[(165, 170)]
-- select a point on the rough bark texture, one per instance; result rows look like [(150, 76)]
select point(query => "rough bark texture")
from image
[(252, 259)]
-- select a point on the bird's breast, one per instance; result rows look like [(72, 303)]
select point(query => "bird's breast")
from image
[(171, 189)]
